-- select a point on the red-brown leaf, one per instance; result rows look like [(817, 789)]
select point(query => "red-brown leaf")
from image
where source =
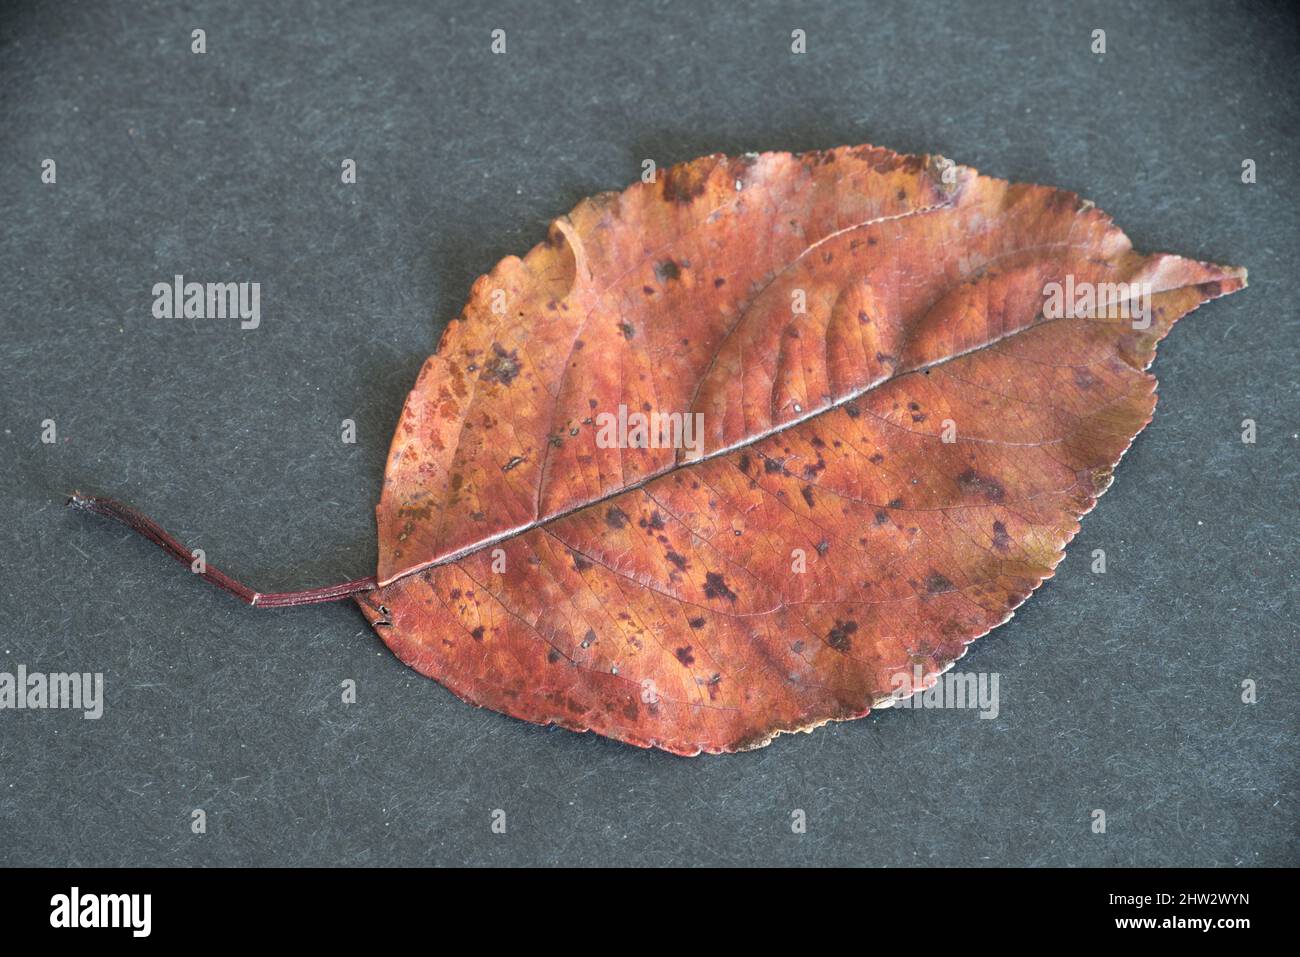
[(651, 597)]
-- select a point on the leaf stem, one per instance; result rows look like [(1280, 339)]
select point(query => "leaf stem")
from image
[(143, 525)]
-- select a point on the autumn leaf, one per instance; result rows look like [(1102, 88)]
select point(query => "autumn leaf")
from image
[(655, 599), (887, 388)]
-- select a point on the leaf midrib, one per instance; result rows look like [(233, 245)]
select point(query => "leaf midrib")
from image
[(754, 439)]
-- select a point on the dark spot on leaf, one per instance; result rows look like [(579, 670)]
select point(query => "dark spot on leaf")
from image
[(936, 584), (683, 184), (973, 483), (477, 633), (503, 366), (684, 656), (839, 635), (807, 493), (1001, 540), (667, 270), (696, 623), (715, 586), (615, 517), (676, 559)]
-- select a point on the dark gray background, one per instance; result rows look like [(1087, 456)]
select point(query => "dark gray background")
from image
[(1119, 691)]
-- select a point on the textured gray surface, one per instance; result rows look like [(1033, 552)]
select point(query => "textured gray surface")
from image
[(1119, 691)]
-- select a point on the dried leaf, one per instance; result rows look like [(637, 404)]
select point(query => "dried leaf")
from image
[(654, 595), (910, 381)]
